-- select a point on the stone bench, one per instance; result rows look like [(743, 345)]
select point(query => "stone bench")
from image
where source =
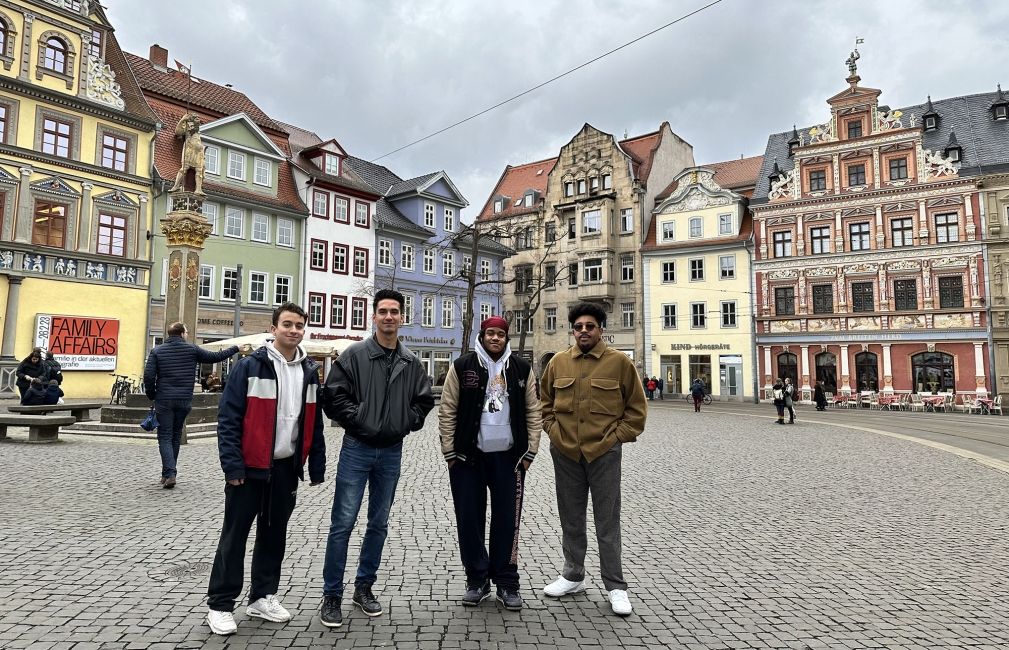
[(41, 428), (80, 410)]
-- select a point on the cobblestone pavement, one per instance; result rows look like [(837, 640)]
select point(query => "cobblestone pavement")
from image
[(737, 534)]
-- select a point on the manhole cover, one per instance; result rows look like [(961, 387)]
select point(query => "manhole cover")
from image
[(182, 571)]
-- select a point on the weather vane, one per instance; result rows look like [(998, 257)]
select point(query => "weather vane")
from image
[(853, 58)]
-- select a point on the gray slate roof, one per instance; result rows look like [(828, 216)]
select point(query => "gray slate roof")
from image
[(985, 142), (411, 184), (381, 179), (488, 244), (378, 176)]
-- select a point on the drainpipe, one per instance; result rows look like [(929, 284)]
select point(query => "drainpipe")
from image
[(749, 246), (987, 291)]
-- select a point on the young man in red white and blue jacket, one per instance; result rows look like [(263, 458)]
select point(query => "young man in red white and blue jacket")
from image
[(268, 426)]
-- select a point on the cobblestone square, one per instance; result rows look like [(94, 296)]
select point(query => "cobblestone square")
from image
[(737, 534)]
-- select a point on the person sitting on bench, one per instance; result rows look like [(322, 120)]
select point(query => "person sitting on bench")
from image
[(53, 392), (35, 395)]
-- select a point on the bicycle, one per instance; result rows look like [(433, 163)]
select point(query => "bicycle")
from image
[(122, 387), (690, 398)]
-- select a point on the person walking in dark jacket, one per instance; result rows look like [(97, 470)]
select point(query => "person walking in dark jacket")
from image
[(31, 367), (697, 392), (379, 392), (490, 424), (820, 397), (169, 376), (790, 399), (778, 394), (268, 425)]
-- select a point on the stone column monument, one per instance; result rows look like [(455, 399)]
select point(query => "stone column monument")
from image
[(185, 229)]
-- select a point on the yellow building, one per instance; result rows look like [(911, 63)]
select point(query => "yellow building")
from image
[(76, 138), (697, 281)]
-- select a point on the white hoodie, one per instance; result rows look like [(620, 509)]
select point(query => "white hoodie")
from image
[(290, 384), (495, 420)]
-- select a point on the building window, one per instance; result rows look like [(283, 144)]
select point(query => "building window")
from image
[(96, 44), (338, 311), (384, 252), (210, 214), (862, 295), (581, 186), (898, 169), (281, 289), (527, 201), (594, 184), (902, 232), (427, 312), (858, 234), (725, 224), (428, 261), (905, 295), (550, 277), (592, 270), (933, 372), (826, 371), (820, 238), (429, 215), (263, 174), (729, 313), (626, 220), (669, 272), (317, 261), (782, 243), (229, 284), (627, 268), (523, 279), (569, 188), (260, 227), (236, 166), (285, 232), (362, 215), (627, 314), (408, 309), (668, 231), (448, 264), (951, 292), (668, 317), (358, 313), (447, 312), (206, 288), (817, 180), (573, 274), (340, 254), (607, 181), (696, 227), (332, 164), (591, 222), (55, 56), (788, 366), (111, 234), (234, 222), (406, 256), (700, 368), (823, 299), (56, 136), (449, 217), (550, 319), (856, 174), (698, 315), (341, 210), (3, 114), (727, 267), (485, 311), (485, 269), (257, 287), (316, 309), (946, 228), (361, 262), (572, 228), (320, 204), (867, 371), (696, 269), (784, 301), (49, 226), (211, 156), (854, 129), (550, 233), (115, 151)]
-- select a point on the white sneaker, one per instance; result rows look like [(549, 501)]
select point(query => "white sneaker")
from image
[(222, 623), (269, 608), (620, 603), (562, 587)]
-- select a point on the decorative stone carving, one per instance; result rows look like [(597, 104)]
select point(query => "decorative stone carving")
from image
[(864, 323), (94, 271), (192, 273), (890, 121), (6, 260), (903, 265), (185, 201), (782, 275), (947, 321), (185, 229), (907, 322), (188, 130), (778, 326), (820, 272), (861, 268), (102, 86), (822, 132), (935, 165), (821, 325), (950, 261), (126, 274), (784, 187)]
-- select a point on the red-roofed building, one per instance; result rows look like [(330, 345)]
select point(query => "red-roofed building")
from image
[(576, 222)]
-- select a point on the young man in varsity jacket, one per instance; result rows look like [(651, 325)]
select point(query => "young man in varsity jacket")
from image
[(268, 425), (490, 423)]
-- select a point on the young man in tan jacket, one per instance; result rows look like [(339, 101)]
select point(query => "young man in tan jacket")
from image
[(593, 403)]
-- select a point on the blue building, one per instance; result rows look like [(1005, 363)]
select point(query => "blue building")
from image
[(422, 250)]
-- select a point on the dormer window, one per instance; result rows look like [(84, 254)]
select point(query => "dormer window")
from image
[(529, 200), (332, 164), (929, 119), (498, 205), (930, 123), (793, 142), (775, 174), (953, 150), (854, 129), (1001, 112), (1000, 107)]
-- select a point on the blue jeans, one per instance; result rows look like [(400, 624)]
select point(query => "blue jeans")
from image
[(171, 418), (360, 465)]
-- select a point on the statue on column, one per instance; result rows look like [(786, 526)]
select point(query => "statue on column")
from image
[(188, 129)]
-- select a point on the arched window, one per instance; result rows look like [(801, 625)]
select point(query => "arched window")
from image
[(788, 367), (4, 36), (933, 372), (867, 371), (55, 56), (826, 371)]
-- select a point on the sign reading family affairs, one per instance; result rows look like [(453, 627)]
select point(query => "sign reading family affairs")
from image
[(79, 342)]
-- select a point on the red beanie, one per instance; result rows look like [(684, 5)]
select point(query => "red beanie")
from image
[(495, 321)]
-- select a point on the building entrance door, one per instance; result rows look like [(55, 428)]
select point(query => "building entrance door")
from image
[(730, 370), (672, 381)]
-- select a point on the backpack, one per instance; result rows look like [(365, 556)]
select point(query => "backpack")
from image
[(779, 394), (652, 385)]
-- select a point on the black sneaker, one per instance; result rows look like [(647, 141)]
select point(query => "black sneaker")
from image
[(509, 597), (366, 600), (476, 594), (330, 614)]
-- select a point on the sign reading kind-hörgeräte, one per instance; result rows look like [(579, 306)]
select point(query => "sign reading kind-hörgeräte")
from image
[(79, 342)]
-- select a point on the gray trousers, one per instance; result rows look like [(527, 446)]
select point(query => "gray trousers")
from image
[(575, 480)]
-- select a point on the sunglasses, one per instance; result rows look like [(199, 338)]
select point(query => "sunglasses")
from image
[(588, 327)]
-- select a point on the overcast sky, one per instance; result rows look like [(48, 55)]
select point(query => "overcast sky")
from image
[(377, 74)]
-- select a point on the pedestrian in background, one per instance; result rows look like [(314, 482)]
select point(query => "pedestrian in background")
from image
[(53, 393), (660, 387), (31, 367), (169, 377), (652, 385), (490, 423), (53, 368), (778, 393), (697, 392), (593, 403), (820, 397), (35, 395), (790, 399)]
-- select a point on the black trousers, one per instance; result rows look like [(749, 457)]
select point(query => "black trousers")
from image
[(269, 503), (470, 482)]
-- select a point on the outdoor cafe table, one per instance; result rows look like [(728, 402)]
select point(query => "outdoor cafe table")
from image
[(933, 401), (985, 405)]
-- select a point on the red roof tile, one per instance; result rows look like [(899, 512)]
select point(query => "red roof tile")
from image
[(642, 148), (740, 176), (128, 86), (514, 183)]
